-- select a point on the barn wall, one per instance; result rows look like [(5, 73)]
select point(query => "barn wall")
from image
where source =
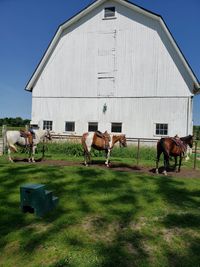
[(128, 63), (138, 115), (132, 49)]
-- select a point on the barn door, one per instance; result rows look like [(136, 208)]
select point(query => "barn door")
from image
[(106, 63), (106, 86)]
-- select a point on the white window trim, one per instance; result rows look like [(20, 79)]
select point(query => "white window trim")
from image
[(48, 121), (160, 135), (116, 123), (71, 132), (93, 122)]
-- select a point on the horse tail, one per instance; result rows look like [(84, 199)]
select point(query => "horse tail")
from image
[(163, 148)]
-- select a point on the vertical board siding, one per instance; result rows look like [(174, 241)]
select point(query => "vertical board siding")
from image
[(145, 62), (130, 59), (138, 115)]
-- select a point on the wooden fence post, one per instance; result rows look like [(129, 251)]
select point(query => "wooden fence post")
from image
[(43, 150), (138, 151), (4, 138), (195, 155)]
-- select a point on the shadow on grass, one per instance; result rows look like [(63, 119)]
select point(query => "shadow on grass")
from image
[(81, 192), (176, 192), (184, 221), (18, 160), (97, 202)]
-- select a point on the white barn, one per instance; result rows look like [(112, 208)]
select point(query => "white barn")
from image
[(114, 66)]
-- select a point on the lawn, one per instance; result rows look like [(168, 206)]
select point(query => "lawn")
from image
[(104, 218)]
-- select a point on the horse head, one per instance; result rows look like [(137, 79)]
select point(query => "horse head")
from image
[(188, 140), (122, 140)]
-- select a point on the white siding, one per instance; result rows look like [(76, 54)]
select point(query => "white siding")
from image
[(132, 44), (128, 59), (138, 115)]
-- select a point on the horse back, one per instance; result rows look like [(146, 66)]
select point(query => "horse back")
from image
[(98, 142), (169, 147)]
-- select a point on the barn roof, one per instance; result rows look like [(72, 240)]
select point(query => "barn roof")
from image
[(89, 8)]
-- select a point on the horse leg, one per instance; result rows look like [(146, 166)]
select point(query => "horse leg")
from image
[(107, 157), (29, 154), (32, 153), (157, 161), (180, 160), (175, 165), (166, 163), (11, 148), (9, 155), (86, 158)]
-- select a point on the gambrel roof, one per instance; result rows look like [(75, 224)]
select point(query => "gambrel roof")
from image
[(87, 10)]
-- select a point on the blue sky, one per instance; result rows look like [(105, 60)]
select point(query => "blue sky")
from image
[(27, 27)]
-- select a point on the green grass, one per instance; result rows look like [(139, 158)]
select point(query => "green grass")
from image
[(76, 150), (104, 218)]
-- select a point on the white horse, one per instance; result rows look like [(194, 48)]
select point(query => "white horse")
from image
[(14, 138)]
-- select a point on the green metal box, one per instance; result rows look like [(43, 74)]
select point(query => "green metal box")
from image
[(35, 199)]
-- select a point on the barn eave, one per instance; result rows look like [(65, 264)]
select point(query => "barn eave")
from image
[(196, 89)]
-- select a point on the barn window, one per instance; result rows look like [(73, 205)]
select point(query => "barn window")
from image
[(48, 125), (92, 126), (69, 126), (116, 127), (161, 129), (109, 12)]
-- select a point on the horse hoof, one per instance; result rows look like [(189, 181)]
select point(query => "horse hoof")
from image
[(165, 173)]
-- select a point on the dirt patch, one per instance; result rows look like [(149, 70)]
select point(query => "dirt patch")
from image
[(121, 167)]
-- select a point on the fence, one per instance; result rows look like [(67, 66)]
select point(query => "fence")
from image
[(139, 142), (2, 140)]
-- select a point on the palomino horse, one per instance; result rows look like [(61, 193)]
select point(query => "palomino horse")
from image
[(93, 139), (14, 138), (171, 146)]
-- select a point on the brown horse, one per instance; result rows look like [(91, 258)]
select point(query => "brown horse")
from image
[(101, 141), (175, 147)]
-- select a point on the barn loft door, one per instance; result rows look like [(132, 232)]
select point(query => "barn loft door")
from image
[(106, 86), (106, 63)]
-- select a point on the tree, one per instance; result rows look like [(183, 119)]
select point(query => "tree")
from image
[(16, 122)]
